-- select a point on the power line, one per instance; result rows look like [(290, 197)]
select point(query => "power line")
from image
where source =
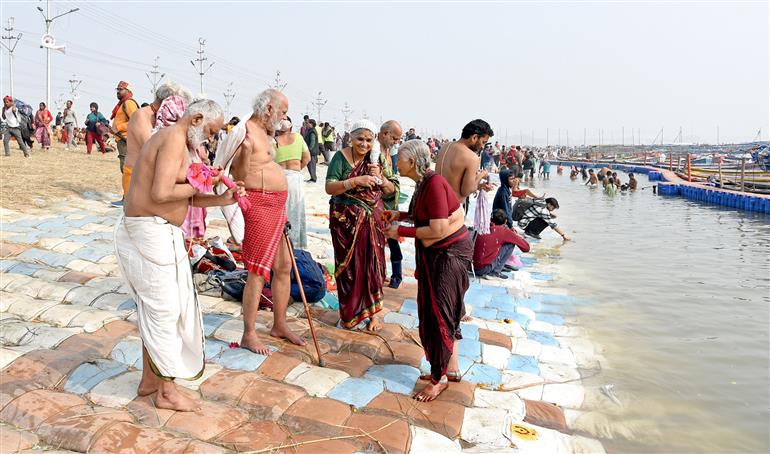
[(48, 43), (201, 60), (156, 78), (10, 47)]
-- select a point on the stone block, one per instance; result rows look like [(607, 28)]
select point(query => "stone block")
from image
[(269, 400), (545, 415), (484, 428), (407, 353), (527, 347), (13, 440), (26, 307), (91, 319), (394, 436), (458, 392), (355, 364), (316, 415), (482, 374), (83, 296), (47, 337), (428, 441), (208, 371), (440, 416), (129, 352), (569, 395), (558, 372), (116, 392), (46, 368), (209, 422), (495, 356), (145, 412), (254, 436), (317, 381), (213, 321), (523, 363), (240, 359), (278, 365), (357, 392), (7, 356), (90, 374), (470, 349), (502, 400), (494, 338), (76, 427), (60, 314), (35, 407), (405, 320), (110, 301), (397, 378), (125, 437)]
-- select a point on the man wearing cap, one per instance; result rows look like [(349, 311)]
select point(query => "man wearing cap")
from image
[(13, 120), (121, 114)]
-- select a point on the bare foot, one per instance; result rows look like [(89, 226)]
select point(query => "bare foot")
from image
[(286, 333), (430, 392), (174, 400), (374, 325), (251, 342), (145, 389), (466, 318)]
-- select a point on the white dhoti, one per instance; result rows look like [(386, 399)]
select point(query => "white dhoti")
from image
[(152, 257), (295, 208)]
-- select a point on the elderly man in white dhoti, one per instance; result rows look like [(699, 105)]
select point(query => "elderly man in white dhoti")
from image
[(151, 253)]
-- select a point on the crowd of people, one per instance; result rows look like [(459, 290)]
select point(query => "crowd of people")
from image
[(177, 156)]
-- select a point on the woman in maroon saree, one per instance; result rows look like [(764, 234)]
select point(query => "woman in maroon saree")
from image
[(355, 220), (444, 254)]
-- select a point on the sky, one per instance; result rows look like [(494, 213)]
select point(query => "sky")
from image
[(538, 72)]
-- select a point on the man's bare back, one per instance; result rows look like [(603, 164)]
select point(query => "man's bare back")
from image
[(458, 164), (253, 163), (162, 163), (139, 130)]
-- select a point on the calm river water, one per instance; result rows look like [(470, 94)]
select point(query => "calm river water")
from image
[(681, 306)]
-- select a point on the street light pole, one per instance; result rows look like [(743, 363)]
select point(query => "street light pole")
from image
[(48, 21), (11, 46)]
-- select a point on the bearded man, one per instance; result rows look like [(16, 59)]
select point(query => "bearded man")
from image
[(141, 124), (264, 248), (458, 162), (152, 257)]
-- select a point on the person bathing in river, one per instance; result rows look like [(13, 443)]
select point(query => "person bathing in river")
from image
[(609, 186), (631, 182), (593, 180), (616, 179)]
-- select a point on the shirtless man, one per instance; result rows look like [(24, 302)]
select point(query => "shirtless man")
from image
[(264, 247), (141, 124), (153, 259), (592, 179), (459, 163)]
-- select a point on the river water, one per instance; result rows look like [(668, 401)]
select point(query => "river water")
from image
[(679, 296)]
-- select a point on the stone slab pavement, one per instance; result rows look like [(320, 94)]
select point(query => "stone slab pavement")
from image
[(71, 358)]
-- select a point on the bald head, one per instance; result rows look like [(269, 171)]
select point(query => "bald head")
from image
[(390, 133)]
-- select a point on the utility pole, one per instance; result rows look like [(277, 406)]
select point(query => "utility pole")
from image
[(546, 137), (201, 61), (229, 96), (48, 44), (11, 46), (74, 84), (319, 103), (157, 76), (346, 111), (622, 135), (278, 84), (584, 136)]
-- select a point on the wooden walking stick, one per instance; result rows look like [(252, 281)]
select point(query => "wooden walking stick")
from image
[(309, 316)]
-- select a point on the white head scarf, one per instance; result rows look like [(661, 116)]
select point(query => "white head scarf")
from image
[(364, 123)]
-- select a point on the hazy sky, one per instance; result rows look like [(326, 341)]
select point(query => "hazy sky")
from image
[(523, 67)]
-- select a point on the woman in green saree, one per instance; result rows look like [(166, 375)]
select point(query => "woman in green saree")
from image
[(357, 179)]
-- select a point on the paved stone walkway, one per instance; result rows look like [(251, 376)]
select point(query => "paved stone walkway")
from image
[(71, 360)]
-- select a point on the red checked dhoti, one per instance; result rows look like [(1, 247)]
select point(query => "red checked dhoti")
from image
[(264, 220)]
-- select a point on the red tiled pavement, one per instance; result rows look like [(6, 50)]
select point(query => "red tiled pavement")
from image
[(75, 427)]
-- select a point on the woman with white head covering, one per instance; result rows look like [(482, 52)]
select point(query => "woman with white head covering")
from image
[(357, 179)]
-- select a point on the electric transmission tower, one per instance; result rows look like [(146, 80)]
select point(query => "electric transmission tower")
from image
[(157, 76), (201, 60), (278, 84), (319, 104), (229, 96), (74, 84), (11, 46), (346, 111)]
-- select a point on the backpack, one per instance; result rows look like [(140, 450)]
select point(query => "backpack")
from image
[(520, 207), (312, 275), (24, 109)]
